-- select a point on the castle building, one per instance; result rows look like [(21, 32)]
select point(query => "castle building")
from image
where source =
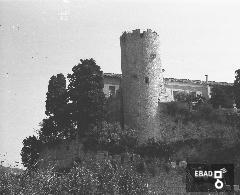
[(142, 82), (142, 86)]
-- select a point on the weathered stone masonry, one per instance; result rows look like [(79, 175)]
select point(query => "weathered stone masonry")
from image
[(142, 82)]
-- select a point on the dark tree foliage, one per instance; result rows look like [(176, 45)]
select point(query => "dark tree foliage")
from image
[(184, 97), (56, 96), (193, 101), (113, 108), (222, 96), (49, 132), (178, 110), (79, 107), (154, 149), (85, 93), (30, 151), (236, 88), (58, 124), (52, 132), (203, 112), (111, 137)]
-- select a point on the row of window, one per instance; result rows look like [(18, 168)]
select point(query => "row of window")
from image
[(112, 90)]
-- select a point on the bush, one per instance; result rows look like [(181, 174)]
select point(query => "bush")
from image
[(154, 149), (113, 138), (113, 108), (177, 109), (204, 112), (89, 177), (222, 96), (130, 182)]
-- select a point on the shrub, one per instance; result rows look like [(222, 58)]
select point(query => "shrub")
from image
[(113, 138), (113, 108), (154, 149), (88, 177), (81, 180), (204, 112), (222, 96), (131, 182), (177, 109)]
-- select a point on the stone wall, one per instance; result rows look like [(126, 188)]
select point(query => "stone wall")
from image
[(142, 81), (61, 154), (64, 153)]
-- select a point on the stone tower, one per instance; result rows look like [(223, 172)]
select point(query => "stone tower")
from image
[(142, 82)]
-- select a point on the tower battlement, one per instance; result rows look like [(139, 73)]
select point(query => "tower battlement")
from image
[(138, 34)]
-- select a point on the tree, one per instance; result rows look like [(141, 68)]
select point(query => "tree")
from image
[(191, 99), (113, 108), (56, 96), (183, 96), (30, 151), (49, 132), (113, 138), (236, 88), (58, 124), (222, 96), (52, 132), (85, 93)]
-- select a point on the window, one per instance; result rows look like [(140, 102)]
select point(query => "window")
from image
[(134, 76), (147, 80), (193, 93), (112, 90), (175, 94), (153, 56)]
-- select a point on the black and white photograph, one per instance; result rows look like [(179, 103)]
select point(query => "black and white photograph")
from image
[(118, 97)]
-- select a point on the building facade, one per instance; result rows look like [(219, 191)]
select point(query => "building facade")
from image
[(172, 86)]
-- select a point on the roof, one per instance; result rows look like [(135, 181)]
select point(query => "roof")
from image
[(197, 82), (113, 75)]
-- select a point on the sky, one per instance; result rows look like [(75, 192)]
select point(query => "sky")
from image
[(41, 38)]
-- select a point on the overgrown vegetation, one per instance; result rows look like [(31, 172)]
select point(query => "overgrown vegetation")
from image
[(113, 108), (222, 96), (80, 110), (91, 176), (112, 138), (226, 96), (72, 111), (204, 111), (146, 175)]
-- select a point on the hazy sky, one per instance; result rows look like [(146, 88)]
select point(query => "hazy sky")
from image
[(41, 38)]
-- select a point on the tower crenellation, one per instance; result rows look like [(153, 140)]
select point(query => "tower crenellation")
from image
[(135, 34)]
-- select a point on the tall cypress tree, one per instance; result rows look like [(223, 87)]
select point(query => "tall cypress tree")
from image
[(85, 93), (58, 123), (56, 95)]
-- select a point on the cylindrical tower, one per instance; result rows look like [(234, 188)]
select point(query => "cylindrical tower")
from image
[(142, 82)]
